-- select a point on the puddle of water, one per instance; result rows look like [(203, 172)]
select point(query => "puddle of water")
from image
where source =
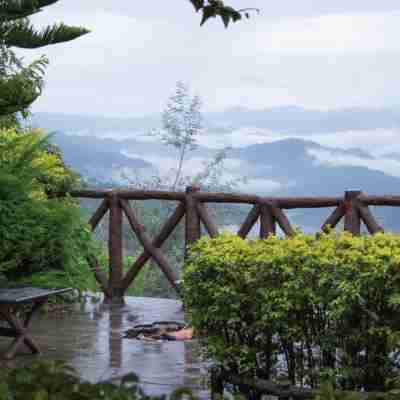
[(90, 339)]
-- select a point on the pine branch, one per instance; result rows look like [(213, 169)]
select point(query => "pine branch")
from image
[(11, 10), (20, 86), (25, 35), (16, 102), (20, 90)]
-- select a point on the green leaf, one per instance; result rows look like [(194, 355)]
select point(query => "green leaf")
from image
[(16, 9), (226, 17), (236, 16), (41, 395), (208, 12), (197, 4), (183, 393)]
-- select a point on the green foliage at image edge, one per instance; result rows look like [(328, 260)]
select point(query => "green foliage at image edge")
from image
[(327, 291)]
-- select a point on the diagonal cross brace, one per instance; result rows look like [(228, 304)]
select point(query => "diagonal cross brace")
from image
[(20, 331), (166, 230), (100, 276), (147, 244), (282, 219), (206, 219), (336, 215), (250, 220), (99, 214)]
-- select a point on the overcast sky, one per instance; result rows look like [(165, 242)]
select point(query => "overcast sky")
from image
[(311, 53)]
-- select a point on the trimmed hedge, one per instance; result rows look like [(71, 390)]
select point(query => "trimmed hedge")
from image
[(312, 308)]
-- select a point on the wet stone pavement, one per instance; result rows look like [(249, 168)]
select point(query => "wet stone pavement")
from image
[(90, 338)]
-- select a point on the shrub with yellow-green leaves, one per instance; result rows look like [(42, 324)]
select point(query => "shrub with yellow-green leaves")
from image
[(43, 239), (313, 308), (29, 155)]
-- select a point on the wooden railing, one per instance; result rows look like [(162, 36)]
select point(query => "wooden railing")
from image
[(192, 204), (259, 388)]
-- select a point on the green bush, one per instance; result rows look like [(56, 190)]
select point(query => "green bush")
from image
[(52, 380), (43, 240), (314, 308)]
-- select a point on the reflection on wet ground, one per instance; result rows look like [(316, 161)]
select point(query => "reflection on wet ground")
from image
[(90, 339)]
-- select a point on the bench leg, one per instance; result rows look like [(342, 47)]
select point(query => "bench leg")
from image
[(21, 329)]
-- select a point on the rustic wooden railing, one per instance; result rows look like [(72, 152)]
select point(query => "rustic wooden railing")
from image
[(192, 204), (259, 388)]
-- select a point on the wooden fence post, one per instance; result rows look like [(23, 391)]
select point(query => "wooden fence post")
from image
[(352, 220), (192, 219), (267, 222), (115, 250)]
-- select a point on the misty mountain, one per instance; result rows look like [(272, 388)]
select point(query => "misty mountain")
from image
[(96, 159), (92, 125), (292, 167), (289, 119), (292, 162), (298, 120)]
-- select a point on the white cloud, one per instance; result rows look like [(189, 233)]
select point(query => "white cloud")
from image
[(240, 137), (261, 186), (360, 32), (235, 170), (332, 158), (376, 142), (324, 57)]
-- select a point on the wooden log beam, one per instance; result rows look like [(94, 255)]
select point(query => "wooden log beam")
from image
[(206, 219), (115, 248), (99, 214), (206, 197), (281, 202), (171, 223), (305, 202), (129, 194), (192, 220), (336, 215), (352, 221), (267, 222), (368, 219), (287, 391), (282, 220), (151, 195), (390, 201), (91, 193), (155, 252), (249, 222)]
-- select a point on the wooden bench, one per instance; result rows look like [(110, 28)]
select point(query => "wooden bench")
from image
[(11, 301)]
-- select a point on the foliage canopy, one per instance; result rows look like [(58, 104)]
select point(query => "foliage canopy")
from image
[(44, 240), (314, 308), (47, 380), (21, 85), (217, 8)]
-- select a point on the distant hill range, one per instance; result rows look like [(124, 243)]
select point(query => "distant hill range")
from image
[(298, 120), (290, 119), (291, 166)]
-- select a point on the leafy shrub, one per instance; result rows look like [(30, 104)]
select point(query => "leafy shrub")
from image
[(43, 240), (47, 380), (314, 308)]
